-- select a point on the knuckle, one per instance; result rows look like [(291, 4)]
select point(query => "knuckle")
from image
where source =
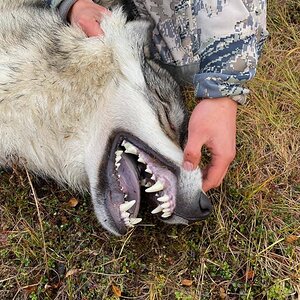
[(230, 155), (192, 154)]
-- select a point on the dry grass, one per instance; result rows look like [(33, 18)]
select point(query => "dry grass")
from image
[(248, 249)]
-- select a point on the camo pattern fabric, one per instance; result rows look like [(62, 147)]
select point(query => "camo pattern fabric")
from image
[(54, 3), (223, 38), (63, 6)]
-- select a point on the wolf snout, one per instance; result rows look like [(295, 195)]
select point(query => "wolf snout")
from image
[(205, 205), (187, 212)]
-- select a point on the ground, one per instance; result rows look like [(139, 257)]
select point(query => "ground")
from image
[(52, 247)]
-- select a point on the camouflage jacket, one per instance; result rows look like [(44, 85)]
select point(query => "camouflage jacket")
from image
[(214, 44)]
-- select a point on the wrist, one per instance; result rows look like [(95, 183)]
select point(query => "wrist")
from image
[(225, 102)]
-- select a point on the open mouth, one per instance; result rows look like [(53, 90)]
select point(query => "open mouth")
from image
[(133, 166)]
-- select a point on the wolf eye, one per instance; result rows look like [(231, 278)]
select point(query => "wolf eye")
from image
[(172, 126)]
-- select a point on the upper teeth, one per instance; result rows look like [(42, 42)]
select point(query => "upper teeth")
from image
[(140, 159), (165, 208), (148, 170), (126, 205), (130, 148), (118, 158), (158, 186)]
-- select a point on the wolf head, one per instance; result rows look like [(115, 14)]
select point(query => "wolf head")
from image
[(146, 124), (96, 110)]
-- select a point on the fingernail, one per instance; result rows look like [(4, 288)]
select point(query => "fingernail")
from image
[(188, 166)]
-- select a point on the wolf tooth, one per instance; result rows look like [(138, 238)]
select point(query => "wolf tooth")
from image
[(94, 113)]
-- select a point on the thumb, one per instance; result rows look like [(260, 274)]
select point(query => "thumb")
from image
[(92, 29)]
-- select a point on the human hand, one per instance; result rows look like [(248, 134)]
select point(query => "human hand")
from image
[(213, 124), (87, 15)]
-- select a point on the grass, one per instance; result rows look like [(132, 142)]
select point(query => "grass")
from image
[(248, 249)]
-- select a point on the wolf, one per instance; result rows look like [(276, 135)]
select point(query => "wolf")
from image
[(95, 114)]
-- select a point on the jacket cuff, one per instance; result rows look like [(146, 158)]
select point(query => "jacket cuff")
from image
[(218, 85), (64, 8)]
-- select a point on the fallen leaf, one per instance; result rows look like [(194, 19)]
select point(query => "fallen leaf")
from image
[(72, 272), (73, 202), (117, 292), (222, 293), (249, 275), (291, 239), (186, 282)]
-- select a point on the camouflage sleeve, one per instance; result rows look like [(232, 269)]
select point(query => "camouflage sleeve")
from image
[(63, 6), (220, 40)]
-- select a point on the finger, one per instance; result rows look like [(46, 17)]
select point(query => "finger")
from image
[(93, 29), (215, 172), (103, 10), (192, 150)]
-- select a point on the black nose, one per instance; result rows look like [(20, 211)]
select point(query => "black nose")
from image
[(193, 211), (205, 205)]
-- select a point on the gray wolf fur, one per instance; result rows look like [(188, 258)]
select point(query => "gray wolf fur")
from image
[(69, 103)]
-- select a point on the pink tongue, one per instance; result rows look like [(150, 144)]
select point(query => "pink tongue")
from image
[(129, 180)]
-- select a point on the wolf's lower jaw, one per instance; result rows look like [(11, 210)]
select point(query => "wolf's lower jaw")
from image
[(134, 169)]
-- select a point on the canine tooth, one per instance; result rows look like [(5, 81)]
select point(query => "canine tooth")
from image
[(165, 205), (164, 198), (141, 160), (126, 205), (135, 221), (148, 170), (125, 215), (157, 210), (158, 186), (166, 215)]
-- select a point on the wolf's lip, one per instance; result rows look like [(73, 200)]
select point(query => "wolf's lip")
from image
[(133, 164)]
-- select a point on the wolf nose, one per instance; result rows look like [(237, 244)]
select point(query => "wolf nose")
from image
[(205, 205), (192, 211)]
